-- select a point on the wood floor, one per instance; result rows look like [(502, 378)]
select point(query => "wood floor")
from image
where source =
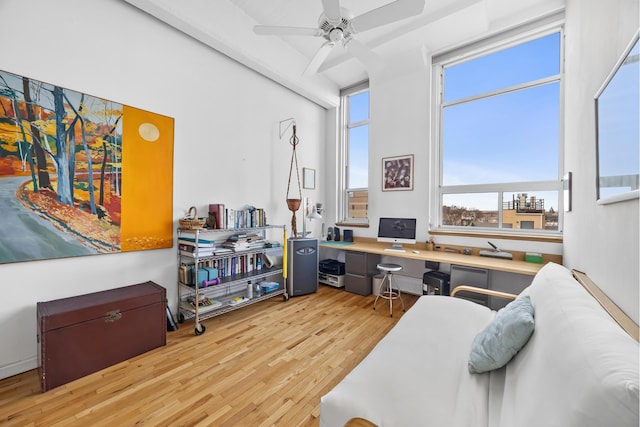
[(267, 364)]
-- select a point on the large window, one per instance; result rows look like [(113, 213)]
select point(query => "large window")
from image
[(355, 154), (500, 137)]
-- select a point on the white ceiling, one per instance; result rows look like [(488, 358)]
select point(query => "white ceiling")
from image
[(227, 26)]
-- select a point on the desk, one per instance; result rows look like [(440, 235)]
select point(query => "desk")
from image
[(373, 247)]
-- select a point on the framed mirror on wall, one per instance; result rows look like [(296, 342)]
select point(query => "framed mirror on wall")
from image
[(618, 129)]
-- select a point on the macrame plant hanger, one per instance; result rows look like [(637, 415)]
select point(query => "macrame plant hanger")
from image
[(294, 204)]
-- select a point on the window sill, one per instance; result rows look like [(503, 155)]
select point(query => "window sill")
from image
[(635, 194), (554, 238), (353, 224)]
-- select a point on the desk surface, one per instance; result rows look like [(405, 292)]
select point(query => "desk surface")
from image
[(511, 266)]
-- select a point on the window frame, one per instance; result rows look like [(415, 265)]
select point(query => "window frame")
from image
[(532, 31), (345, 126)]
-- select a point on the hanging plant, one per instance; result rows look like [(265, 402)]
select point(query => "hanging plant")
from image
[(294, 203)]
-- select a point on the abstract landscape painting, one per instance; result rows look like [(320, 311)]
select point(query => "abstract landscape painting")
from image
[(80, 175)]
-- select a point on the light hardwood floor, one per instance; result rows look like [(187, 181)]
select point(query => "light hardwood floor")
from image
[(267, 364)]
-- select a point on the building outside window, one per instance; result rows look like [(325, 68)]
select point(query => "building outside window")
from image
[(355, 154), (500, 136)]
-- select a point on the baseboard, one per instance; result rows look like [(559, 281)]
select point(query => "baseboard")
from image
[(18, 367)]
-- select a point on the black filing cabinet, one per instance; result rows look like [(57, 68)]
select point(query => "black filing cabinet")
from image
[(436, 281), (360, 267)]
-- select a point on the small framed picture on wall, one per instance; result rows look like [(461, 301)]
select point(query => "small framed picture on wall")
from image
[(397, 173), (308, 178)]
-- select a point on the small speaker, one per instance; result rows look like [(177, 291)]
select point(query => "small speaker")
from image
[(336, 234), (348, 235), (330, 233)]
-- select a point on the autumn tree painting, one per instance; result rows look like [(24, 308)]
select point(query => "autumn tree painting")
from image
[(74, 173)]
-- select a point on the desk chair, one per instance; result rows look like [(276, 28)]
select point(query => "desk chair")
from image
[(389, 289)]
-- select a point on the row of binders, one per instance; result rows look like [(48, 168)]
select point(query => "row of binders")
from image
[(237, 264), (224, 218)]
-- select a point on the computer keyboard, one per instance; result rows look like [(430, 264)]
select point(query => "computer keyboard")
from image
[(394, 250)]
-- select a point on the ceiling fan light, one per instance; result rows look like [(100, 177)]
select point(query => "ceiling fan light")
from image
[(336, 35)]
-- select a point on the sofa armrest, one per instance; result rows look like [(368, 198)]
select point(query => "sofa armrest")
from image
[(610, 307), (359, 422), (484, 291)]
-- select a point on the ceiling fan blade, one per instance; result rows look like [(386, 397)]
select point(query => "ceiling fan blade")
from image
[(270, 30), (319, 58), (392, 12), (332, 10), (371, 60)]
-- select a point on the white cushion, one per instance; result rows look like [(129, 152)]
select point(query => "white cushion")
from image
[(501, 339), (417, 374), (578, 369)]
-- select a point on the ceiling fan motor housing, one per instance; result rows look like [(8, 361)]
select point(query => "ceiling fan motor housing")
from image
[(335, 32)]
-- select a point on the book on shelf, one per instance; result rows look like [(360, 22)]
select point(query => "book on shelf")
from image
[(244, 242), (184, 273), (199, 252), (228, 218), (221, 217), (236, 246), (222, 251), (206, 304), (217, 211), (238, 300), (197, 249), (202, 243)]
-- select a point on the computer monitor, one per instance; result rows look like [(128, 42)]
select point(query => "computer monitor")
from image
[(397, 231)]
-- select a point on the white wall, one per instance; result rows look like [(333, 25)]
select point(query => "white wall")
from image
[(400, 112), (227, 148), (601, 240)]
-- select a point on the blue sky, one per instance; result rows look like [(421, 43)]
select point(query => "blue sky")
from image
[(358, 141), (510, 137)]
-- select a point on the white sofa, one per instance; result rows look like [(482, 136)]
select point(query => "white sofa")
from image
[(579, 368)]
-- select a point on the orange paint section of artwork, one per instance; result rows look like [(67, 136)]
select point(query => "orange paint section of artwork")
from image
[(147, 180)]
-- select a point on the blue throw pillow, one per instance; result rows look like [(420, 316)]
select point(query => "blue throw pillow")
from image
[(500, 340)]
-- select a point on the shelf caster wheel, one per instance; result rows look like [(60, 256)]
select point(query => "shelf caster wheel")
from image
[(200, 331), (180, 318), (285, 297)]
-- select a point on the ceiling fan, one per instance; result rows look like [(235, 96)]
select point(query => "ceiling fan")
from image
[(338, 25)]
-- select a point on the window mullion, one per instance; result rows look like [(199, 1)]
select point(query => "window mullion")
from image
[(500, 208), (506, 187), (523, 86), (357, 124)]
